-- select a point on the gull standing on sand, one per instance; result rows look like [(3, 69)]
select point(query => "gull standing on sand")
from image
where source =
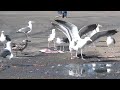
[(51, 38), (62, 41), (71, 32), (110, 40), (26, 29)]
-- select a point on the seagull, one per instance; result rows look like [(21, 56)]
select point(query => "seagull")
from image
[(51, 38), (7, 53), (26, 29), (4, 38), (62, 41), (110, 40), (20, 47), (72, 33)]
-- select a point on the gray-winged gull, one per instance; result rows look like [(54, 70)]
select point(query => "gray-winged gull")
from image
[(61, 42), (26, 29)]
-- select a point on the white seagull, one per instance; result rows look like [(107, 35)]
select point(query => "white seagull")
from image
[(7, 53), (110, 41), (4, 38), (61, 42), (72, 33), (26, 29), (51, 38)]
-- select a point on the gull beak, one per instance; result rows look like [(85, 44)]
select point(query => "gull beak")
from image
[(100, 25), (33, 21)]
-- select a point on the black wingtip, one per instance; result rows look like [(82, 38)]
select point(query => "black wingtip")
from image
[(112, 32), (8, 38)]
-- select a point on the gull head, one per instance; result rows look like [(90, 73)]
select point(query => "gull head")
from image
[(98, 25), (53, 30), (26, 41), (2, 31), (31, 22)]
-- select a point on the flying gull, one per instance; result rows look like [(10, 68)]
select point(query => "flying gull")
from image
[(26, 29), (75, 42)]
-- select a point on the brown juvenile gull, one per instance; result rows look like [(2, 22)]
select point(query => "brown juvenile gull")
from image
[(20, 47)]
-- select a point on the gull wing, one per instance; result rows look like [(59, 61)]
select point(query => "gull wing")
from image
[(63, 29), (25, 29), (103, 34), (71, 27), (86, 29), (5, 53)]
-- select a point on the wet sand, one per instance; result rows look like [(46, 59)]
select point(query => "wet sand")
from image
[(37, 65)]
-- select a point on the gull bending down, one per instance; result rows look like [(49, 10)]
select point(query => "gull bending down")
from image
[(7, 53), (62, 41)]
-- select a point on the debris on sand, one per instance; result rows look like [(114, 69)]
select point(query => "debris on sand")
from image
[(46, 50)]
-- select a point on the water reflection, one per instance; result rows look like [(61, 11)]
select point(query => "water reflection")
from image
[(90, 69)]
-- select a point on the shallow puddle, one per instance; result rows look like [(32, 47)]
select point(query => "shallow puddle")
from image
[(89, 70)]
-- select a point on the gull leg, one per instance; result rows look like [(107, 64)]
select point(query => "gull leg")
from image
[(27, 36), (63, 48), (76, 53), (16, 53), (54, 45), (60, 48), (71, 55), (82, 55), (94, 44), (48, 44)]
